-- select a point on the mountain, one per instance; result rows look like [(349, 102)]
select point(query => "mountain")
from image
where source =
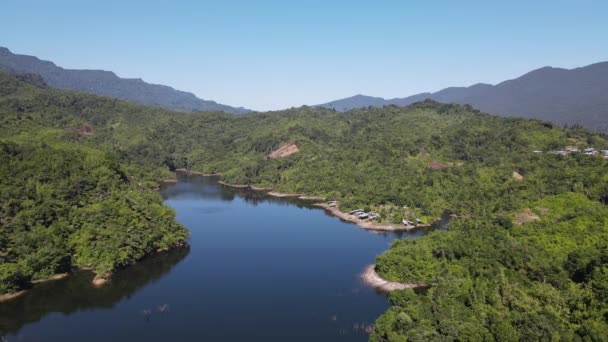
[(357, 101), (563, 96), (106, 83)]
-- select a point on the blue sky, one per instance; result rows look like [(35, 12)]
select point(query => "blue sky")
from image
[(277, 54)]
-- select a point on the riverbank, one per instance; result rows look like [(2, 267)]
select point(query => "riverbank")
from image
[(373, 279), (370, 225), (98, 281), (238, 186), (10, 296), (283, 195), (188, 172), (269, 191), (51, 278)]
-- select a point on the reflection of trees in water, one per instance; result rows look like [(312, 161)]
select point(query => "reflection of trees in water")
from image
[(258, 197), (207, 187), (196, 187), (76, 292)]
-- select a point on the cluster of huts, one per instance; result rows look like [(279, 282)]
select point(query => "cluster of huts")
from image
[(589, 151), (359, 213), (362, 215)]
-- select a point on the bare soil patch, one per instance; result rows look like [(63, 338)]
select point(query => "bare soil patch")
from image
[(284, 151), (373, 279), (525, 216)]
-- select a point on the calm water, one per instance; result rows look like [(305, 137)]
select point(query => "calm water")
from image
[(257, 269)]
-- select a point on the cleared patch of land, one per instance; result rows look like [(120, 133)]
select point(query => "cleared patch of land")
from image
[(284, 151)]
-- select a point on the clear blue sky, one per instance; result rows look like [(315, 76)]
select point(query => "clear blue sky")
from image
[(277, 54)]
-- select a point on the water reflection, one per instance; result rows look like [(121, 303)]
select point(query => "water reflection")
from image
[(197, 187), (260, 269), (75, 293)]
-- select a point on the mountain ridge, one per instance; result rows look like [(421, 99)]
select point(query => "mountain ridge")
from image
[(575, 96), (107, 83)]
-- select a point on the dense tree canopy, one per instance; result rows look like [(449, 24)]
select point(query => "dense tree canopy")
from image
[(525, 258)]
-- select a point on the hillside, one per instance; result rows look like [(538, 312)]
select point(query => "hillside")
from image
[(77, 169), (565, 97), (106, 83)]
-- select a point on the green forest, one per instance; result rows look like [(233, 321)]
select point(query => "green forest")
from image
[(525, 256)]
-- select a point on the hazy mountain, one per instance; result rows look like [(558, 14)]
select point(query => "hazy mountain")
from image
[(356, 101), (106, 83), (575, 96)]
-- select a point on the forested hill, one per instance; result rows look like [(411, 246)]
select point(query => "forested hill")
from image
[(573, 97), (525, 257), (106, 83)]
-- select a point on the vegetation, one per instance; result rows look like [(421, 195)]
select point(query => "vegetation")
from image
[(525, 259), (543, 280)]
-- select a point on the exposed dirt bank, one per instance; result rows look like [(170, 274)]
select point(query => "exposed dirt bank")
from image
[(312, 198), (10, 296), (101, 281), (261, 188), (239, 186), (280, 194), (373, 279), (51, 278)]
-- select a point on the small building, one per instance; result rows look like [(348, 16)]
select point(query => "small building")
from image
[(537, 151), (363, 216)]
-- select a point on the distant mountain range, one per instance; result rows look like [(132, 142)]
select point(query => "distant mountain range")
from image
[(106, 83), (575, 96)]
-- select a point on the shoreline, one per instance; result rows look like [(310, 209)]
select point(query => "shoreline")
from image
[(365, 224), (10, 296), (238, 186), (269, 191), (283, 195), (54, 277), (369, 276), (368, 225), (5, 297), (98, 281), (261, 188), (373, 279), (192, 172)]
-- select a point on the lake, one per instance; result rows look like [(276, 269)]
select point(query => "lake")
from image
[(257, 269)]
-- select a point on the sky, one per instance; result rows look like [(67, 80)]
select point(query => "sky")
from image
[(268, 55)]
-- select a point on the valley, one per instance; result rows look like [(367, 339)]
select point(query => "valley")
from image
[(79, 175)]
